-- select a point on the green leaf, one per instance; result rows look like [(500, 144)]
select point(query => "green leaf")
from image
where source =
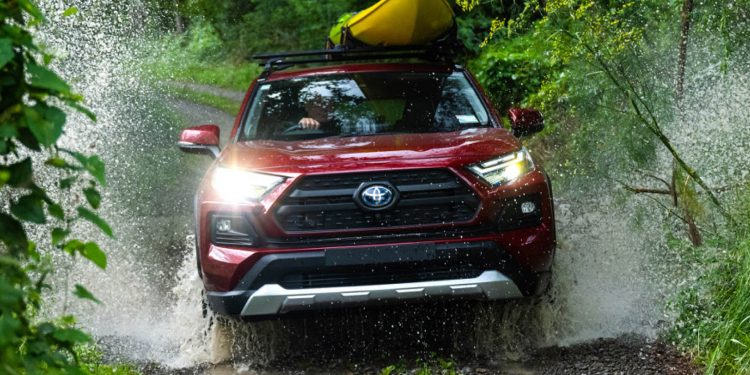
[(56, 162), (8, 130), (82, 109), (92, 252), (9, 327), (29, 208), (56, 211), (28, 139), (12, 233), (66, 183), (93, 196), (20, 173), (71, 335), (59, 235), (6, 51), (45, 123), (70, 11), (72, 246), (32, 9), (44, 78), (96, 220), (93, 164), (84, 293), (61, 163)]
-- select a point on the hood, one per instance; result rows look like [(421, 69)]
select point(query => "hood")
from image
[(303, 155)]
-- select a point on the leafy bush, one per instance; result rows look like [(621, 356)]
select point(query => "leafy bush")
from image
[(512, 69), (31, 124), (203, 42)]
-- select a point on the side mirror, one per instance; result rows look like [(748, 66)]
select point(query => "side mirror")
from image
[(201, 139), (525, 121)]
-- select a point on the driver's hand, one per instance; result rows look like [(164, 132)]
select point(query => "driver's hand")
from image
[(309, 123)]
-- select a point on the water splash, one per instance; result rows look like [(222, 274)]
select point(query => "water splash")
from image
[(608, 280)]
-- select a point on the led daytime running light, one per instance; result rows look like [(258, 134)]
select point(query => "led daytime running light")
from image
[(505, 168)]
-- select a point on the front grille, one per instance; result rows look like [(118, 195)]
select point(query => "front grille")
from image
[(374, 277), (326, 202)]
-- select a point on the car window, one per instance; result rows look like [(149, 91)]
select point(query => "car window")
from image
[(364, 104)]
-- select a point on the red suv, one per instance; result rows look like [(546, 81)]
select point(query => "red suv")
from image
[(347, 184)]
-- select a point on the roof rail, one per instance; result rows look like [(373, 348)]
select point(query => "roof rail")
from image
[(281, 60)]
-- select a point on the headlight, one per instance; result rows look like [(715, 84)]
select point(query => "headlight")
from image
[(237, 185), (505, 168)]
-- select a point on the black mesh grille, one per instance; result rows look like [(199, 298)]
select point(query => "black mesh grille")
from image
[(326, 202), (374, 277)]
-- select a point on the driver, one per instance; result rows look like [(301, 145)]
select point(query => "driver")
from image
[(319, 113)]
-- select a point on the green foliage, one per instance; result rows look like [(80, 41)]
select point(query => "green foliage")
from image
[(606, 88), (512, 70), (714, 314), (432, 364), (31, 123), (221, 36), (92, 363), (170, 61)]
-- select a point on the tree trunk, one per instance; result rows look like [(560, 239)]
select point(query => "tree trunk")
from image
[(179, 23), (685, 17)]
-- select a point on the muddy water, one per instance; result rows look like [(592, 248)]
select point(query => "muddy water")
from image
[(608, 280)]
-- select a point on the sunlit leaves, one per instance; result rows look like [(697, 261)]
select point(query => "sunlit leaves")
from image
[(467, 5), (70, 12)]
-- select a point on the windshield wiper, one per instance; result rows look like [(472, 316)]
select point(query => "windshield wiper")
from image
[(355, 134)]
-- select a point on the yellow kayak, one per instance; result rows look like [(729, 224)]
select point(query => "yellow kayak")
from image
[(395, 23)]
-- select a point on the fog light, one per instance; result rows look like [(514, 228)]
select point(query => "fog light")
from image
[(528, 207), (224, 225)]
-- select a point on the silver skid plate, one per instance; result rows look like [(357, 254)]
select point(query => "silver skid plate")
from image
[(274, 299)]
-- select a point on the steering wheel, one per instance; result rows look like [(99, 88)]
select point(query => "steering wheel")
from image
[(296, 127), (293, 127)]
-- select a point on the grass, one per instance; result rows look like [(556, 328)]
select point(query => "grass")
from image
[(429, 366), (91, 359), (714, 310), (729, 340), (219, 102), (224, 75)]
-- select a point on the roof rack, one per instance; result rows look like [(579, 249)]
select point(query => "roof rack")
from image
[(282, 60)]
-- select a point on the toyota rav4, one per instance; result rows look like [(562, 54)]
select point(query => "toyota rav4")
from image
[(350, 184)]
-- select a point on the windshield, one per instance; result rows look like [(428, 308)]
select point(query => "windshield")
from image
[(363, 104)]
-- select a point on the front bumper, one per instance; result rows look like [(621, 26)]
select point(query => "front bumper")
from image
[(302, 281), (274, 299)]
